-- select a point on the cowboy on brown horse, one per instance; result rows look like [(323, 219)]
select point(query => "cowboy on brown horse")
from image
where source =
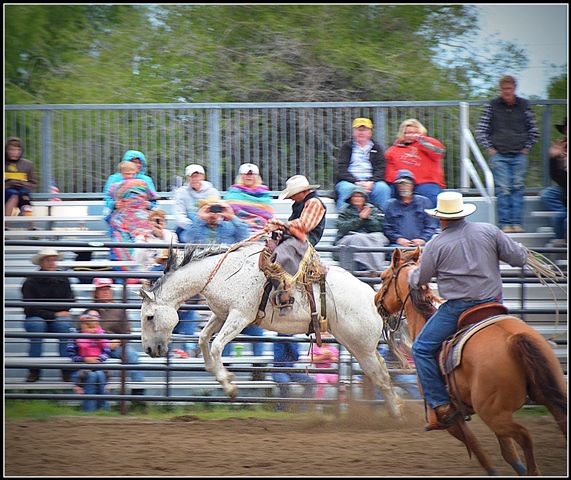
[(464, 258)]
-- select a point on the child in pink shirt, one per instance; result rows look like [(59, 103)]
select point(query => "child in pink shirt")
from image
[(324, 357)]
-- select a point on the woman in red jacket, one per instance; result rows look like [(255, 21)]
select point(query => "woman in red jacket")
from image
[(421, 155)]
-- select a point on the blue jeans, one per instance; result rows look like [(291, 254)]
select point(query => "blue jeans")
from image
[(132, 357), (284, 379), (41, 325), (186, 327), (437, 329), (551, 196), (94, 385), (257, 347), (510, 171), (379, 195), (428, 190)]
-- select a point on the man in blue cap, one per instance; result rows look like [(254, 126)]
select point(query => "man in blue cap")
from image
[(406, 222)]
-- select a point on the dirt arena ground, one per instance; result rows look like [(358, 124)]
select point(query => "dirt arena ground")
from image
[(356, 445)]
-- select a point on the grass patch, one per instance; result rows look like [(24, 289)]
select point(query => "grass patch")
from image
[(45, 409)]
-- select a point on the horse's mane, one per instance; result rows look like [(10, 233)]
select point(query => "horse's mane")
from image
[(191, 253), (422, 300)]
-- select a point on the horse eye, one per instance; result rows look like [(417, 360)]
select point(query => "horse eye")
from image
[(150, 318)]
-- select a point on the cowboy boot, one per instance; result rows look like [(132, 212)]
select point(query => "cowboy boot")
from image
[(442, 417)]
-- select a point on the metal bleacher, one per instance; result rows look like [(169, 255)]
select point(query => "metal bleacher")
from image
[(82, 220)]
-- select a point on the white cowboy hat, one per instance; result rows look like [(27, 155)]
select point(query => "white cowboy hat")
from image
[(296, 184), (46, 252), (451, 205)]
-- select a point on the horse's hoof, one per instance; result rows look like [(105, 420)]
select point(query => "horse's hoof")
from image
[(232, 392)]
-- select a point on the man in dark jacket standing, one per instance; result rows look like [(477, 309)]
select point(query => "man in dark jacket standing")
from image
[(361, 162), (44, 318), (507, 131)]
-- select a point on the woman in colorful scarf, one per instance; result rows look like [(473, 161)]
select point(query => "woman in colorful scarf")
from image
[(250, 200), (130, 217)]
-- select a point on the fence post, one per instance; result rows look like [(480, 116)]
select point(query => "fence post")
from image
[(464, 152), (214, 154), (545, 143), (46, 153)]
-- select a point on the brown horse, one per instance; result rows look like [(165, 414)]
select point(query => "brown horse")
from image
[(501, 365)]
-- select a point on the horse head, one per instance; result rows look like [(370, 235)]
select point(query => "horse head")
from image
[(157, 323), (389, 299)]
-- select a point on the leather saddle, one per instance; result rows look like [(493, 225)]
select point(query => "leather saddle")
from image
[(480, 312), (311, 271)]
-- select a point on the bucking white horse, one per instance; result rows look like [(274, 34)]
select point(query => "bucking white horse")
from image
[(233, 286)]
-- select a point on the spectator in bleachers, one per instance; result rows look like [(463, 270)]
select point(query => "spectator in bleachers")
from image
[(360, 224), (90, 350), (115, 320), (19, 179), (324, 357), (130, 216), (187, 197), (422, 155), (250, 199), (285, 355), (158, 233), (138, 158), (44, 318), (215, 222), (555, 197), (406, 222), (361, 161), (507, 130)]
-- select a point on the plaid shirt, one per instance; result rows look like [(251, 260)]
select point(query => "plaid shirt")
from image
[(310, 217)]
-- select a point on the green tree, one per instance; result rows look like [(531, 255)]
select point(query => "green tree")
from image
[(242, 53)]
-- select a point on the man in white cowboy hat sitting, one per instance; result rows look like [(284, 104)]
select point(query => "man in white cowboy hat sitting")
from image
[(464, 259), (306, 224), (44, 318)]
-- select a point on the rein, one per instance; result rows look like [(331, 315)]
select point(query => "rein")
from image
[(234, 247), (382, 310)]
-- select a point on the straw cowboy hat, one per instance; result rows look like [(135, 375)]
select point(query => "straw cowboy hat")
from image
[(46, 252), (296, 184), (450, 205)]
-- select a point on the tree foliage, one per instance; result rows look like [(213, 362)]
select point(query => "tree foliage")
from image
[(243, 53)]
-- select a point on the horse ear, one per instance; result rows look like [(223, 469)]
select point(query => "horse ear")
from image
[(148, 295), (416, 254), (395, 258)]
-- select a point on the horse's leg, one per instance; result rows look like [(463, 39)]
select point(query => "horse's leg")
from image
[(504, 427), (510, 454), (374, 367), (211, 327), (463, 433), (233, 325)]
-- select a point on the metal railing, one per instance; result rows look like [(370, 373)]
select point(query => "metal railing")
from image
[(76, 147)]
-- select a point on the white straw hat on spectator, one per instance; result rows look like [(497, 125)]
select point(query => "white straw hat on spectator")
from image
[(46, 252), (296, 184), (247, 168), (102, 282), (193, 168), (451, 205)]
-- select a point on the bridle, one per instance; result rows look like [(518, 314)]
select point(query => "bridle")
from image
[(380, 306)]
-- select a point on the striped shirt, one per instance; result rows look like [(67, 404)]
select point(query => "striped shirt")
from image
[(484, 128), (310, 217)]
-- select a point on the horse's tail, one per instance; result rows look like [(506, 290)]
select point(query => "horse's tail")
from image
[(543, 380)]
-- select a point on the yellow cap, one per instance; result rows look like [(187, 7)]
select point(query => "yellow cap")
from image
[(362, 122)]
